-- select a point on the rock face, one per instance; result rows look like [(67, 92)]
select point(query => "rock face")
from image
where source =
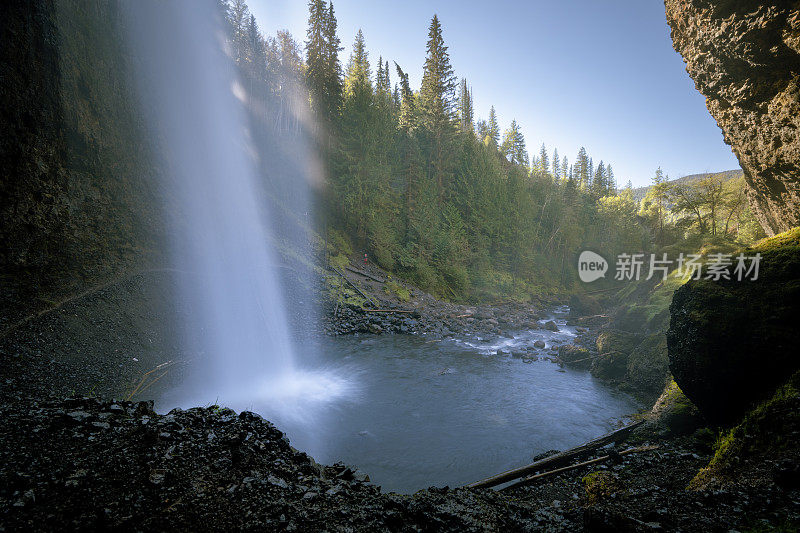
[(744, 56), (732, 343)]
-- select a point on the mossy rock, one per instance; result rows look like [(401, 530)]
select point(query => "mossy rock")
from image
[(648, 364), (673, 413), (575, 356), (731, 343), (600, 485)]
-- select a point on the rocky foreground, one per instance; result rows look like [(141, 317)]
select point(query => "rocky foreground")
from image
[(82, 463)]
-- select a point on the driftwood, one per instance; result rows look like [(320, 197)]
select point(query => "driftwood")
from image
[(560, 459), (390, 310), (353, 285), (529, 479), (366, 275)]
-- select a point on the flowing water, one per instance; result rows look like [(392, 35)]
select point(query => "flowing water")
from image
[(223, 231), (420, 412)]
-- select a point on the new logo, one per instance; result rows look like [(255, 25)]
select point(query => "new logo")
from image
[(591, 266)]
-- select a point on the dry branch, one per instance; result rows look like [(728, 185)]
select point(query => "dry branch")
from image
[(529, 479), (557, 460)]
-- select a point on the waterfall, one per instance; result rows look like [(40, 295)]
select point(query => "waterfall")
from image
[(236, 332)]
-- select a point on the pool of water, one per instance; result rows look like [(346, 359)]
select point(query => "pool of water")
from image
[(414, 412)]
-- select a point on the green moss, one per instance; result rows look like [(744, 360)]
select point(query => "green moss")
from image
[(342, 293), (787, 238), (600, 484), (392, 287), (762, 431)]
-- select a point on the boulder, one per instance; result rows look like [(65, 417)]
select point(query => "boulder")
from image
[(745, 57), (732, 343), (673, 413), (576, 356), (551, 326), (539, 344)]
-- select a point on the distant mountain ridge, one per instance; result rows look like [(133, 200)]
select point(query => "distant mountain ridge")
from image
[(640, 192)]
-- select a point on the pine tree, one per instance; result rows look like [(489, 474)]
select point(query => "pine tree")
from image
[(333, 71), (513, 146), (383, 92), (437, 99), (599, 184), (581, 169), (437, 95), (358, 76), (316, 55), (565, 168), (544, 161), (610, 181), (407, 101), (493, 132), (465, 111), (556, 164)]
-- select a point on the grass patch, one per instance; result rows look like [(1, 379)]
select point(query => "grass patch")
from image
[(392, 287)]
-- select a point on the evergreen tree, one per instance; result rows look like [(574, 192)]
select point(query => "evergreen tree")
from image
[(599, 184), (493, 133), (544, 161), (610, 181), (407, 101), (359, 77), (581, 169), (437, 95), (316, 55), (565, 168), (556, 164), (333, 83), (513, 146), (437, 99), (465, 111)]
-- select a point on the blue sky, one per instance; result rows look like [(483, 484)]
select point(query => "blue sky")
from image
[(599, 74)]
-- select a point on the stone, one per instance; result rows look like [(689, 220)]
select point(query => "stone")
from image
[(551, 326), (572, 355), (732, 343), (744, 57)]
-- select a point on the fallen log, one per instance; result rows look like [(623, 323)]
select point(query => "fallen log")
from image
[(390, 310), (365, 274), (559, 459), (529, 479), (353, 285)]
